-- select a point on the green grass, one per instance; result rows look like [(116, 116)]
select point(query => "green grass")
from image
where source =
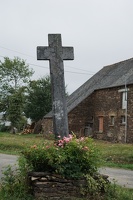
[(116, 155), (14, 143), (113, 155), (119, 193)]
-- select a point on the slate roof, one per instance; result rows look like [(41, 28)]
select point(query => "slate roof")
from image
[(109, 76)]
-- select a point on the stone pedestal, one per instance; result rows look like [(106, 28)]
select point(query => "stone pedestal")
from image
[(54, 187)]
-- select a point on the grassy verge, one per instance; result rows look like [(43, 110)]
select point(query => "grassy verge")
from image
[(122, 194), (116, 155), (113, 155), (14, 144)]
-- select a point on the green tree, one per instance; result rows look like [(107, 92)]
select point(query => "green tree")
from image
[(14, 77), (38, 98), (16, 108), (14, 73)]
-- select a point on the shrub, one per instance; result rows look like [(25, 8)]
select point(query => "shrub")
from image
[(69, 157)]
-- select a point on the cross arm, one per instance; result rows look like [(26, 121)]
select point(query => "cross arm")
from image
[(43, 53), (68, 53)]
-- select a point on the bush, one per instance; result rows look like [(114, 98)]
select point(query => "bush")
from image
[(69, 157)]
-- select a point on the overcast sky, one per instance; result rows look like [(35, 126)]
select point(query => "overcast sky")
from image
[(101, 32)]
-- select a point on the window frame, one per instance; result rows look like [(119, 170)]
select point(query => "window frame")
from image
[(112, 120), (100, 125)]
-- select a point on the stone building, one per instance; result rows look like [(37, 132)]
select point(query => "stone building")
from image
[(103, 106)]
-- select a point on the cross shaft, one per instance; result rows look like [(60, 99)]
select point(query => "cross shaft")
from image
[(55, 53)]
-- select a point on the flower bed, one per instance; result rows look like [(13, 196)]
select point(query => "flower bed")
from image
[(65, 168)]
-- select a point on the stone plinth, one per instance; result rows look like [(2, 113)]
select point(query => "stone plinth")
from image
[(54, 187)]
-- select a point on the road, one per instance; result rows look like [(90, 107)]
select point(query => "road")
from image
[(6, 160), (120, 176)]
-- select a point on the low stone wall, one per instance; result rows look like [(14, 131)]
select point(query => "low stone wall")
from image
[(54, 187)]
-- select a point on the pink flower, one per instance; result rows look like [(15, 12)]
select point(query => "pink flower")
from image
[(66, 139), (70, 136), (60, 144)]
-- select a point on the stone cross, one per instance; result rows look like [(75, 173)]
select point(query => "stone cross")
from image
[(55, 53)]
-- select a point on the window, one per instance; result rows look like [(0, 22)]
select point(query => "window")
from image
[(101, 124), (123, 119), (124, 94), (112, 119), (124, 100)]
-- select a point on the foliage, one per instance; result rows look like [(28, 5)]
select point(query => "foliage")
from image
[(39, 100), (15, 109), (15, 183), (14, 75), (69, 157)]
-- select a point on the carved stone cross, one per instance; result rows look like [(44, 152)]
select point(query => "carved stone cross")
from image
[(55, 53)]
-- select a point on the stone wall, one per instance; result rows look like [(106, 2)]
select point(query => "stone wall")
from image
[(47, 126), (81, 118), (49, 186), (106, 103)]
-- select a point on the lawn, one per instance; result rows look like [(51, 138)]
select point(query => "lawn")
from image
[(113, 155), (116, 154), (14, 143)]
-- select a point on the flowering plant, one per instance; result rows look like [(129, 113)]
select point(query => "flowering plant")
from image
[(69, 157)]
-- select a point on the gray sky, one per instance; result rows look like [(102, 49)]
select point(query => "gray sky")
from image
[(101, 32)]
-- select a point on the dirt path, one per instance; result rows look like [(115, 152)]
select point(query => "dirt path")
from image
[(120, 176)]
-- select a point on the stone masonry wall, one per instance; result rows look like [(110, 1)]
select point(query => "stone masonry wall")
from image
[(48, 186), (106, 103), (82, 116)]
